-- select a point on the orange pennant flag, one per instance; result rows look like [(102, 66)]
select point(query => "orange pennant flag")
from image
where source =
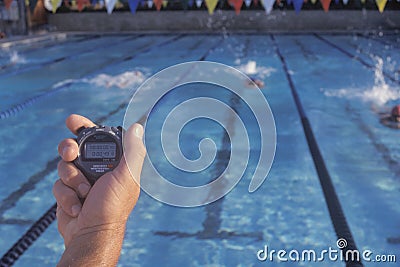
[(237, 4), (158, 4), (7, 3), (381, 5), (211, 4), (325, 4)]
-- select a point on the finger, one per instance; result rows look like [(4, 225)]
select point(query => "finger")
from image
[(75, 122), (134, 154), (68, 149), (67, 199), (72, 177)]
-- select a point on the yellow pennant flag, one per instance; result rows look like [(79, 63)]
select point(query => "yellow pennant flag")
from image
[(363, 1), (164, 3), (211, 4), (381, 4), (313, 2), (54, 5)]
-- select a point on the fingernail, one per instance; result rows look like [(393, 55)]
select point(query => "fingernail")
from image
[(139, 131), (76, 209), (65, 151), (83, 189)]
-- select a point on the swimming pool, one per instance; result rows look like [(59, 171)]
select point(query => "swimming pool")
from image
[(341, 81)]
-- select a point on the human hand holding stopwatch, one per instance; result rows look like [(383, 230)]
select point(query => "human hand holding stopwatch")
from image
[(95, 229)]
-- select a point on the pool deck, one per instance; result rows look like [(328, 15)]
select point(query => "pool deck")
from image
[(226, 20)]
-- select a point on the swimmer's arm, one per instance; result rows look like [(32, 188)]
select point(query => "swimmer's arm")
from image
[(95, 248)]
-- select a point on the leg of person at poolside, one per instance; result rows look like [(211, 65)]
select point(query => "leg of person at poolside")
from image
[(93, 232)]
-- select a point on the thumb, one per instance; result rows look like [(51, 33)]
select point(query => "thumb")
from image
[(131, 163)]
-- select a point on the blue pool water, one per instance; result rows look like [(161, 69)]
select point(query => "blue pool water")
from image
[(343, 81)]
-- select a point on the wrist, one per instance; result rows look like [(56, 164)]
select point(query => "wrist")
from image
[(95, 246)]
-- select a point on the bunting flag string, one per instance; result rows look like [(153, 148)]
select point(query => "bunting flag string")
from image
[(211, 4), (110, 5)]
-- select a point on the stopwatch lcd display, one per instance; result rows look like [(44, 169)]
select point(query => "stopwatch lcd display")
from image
[(96, 150)]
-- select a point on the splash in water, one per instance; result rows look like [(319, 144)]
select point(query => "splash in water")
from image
[(251, 68), (16, 58), (380, 94), (126, 80), (123, 81)]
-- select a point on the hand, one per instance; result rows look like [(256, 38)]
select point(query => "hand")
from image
[(110, 200)]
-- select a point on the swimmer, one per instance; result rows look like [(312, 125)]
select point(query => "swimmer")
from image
[(256, 81), (392, 120)]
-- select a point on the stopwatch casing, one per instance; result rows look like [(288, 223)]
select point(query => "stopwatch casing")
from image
[(100, 151)]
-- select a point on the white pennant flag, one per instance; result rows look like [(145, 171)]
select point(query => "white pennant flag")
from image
[(150, 3), (247, 3), (198, 3), (268, 4), (110, 5), (345, 2)]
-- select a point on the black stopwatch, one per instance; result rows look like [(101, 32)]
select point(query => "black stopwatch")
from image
[(100, 150)]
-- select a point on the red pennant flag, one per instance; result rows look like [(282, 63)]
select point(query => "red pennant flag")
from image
[(237, 4), (7, 3), (325, 4), (81, 4), (255, 2), (158, 4)]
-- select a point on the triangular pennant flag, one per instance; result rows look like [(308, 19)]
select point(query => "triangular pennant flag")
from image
[(198, 3), (297, 5), (381, 4), (81, 4), (255, 2), (164, 3), (150, 3), (211, 4), (345, 2), (133, 4), (190, 3), (7, 3), (268, 4), (363, 1), (247, 3), (110, 4), (237, 5), (336, 2), (325, 4), (289, 2), (52, 5), (158, 4), (313, 2)]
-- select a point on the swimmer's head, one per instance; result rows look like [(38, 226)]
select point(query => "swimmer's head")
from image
[(396, 113)]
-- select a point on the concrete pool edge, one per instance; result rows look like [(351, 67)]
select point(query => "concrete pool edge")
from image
[(248, 21)]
